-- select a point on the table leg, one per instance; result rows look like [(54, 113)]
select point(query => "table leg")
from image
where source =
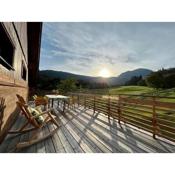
[(49, 104), (58, 103), (52, 102), (64, 103)]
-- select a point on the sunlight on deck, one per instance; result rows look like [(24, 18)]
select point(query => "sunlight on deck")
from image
[(84, 131)]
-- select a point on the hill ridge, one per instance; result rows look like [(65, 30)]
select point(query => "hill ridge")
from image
[(118, 80)]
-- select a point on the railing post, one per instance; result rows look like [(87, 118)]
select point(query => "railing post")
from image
[(72, 101), (154, 121), (78, 100), (109, 106), (119, 109), (85, 101), (94, 103)]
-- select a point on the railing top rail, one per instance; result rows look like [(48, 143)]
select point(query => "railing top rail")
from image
[(150, 96), (134, 95)]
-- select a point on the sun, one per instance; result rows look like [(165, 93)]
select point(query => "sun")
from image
[(104, 73)]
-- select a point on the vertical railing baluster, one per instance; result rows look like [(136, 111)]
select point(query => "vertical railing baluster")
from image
[(119, 109), (109, 103), (94, 103), (154, 118), (78, 100), (72, 101), (85, 101)]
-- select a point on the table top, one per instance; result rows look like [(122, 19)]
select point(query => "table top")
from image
[(57, 96)]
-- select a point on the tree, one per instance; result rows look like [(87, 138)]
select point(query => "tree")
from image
[(169, 81), (155, 80), (141, 82), (67, 85), (47, 83), (134, 80)]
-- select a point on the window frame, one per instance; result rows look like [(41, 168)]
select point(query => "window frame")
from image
[(8, 66), (22, 70)]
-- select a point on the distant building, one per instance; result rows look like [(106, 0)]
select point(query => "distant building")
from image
[(19, 62)]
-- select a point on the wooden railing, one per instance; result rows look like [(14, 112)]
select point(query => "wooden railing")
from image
[(152, 114)]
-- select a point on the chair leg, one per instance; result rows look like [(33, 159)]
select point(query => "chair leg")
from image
[(34, 134), (22, 128), (34, 141), (21, 132), (55, 122)]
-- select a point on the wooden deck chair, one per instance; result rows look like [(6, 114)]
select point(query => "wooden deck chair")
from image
[(32, 124)]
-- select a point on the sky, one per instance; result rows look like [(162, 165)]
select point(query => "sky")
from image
[(88, 48)]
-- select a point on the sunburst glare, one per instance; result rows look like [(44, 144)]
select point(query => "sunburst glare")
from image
[(104, 73)]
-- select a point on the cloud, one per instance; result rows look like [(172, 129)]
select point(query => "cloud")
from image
[(86, 47)]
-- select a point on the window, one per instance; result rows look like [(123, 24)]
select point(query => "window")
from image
[(23, 71), (6, 49)]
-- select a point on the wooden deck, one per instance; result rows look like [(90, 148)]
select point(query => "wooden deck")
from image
[(83, 131)]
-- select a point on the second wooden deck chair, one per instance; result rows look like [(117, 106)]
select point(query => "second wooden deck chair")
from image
[(35, 121), (39, 100)]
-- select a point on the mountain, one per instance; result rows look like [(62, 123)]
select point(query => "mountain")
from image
[(126, 76), (64, 75), (119, 80)]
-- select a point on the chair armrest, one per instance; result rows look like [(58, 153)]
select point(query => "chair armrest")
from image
[(45, 112), (26, 105)]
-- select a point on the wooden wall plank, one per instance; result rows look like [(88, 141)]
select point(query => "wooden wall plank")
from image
[(10, 79)]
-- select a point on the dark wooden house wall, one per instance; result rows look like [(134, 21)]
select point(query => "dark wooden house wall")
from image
[(11, 82)]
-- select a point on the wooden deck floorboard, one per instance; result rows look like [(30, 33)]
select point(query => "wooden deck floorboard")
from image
[(83, 131), (118, 137)]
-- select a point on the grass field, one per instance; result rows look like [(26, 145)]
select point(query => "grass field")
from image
[(133, 90), (145, 91), (142, 90)]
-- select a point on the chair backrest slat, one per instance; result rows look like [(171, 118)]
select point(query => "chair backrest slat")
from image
[(40, 100), (20, 98)]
